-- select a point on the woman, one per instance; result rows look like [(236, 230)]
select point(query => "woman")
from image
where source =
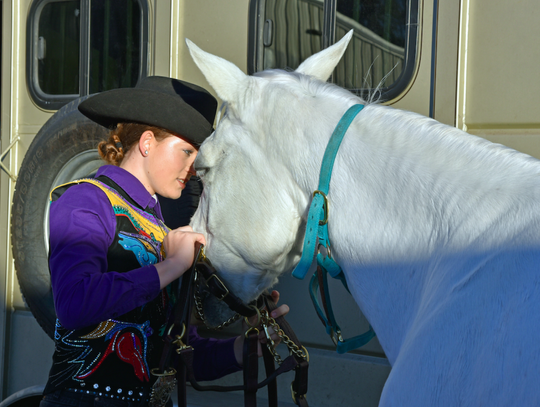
[(112, 259)]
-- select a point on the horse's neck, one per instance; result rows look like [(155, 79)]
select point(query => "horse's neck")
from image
[(410, 196), (418, 186)]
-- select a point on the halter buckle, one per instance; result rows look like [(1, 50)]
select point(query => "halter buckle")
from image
[(325, 206), (222, 286), (201, 258)]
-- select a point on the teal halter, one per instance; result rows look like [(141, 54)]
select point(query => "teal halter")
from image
[(317, 235)]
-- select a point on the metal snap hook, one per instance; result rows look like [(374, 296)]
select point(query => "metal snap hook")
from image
[(169, 372), (183, 330)]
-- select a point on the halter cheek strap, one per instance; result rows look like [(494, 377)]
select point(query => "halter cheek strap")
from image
[(317, 236)]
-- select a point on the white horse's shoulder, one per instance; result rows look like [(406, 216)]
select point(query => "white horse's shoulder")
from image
[(436, 230)]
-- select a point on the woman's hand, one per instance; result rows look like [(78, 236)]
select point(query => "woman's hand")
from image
[(179, 246), (239, 342)]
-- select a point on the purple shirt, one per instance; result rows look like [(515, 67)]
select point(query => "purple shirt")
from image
[(82, 227)]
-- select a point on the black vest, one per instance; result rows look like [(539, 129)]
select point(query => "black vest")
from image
[(114, 358)]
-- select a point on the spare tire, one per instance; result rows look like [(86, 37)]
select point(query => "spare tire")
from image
[(63, 150), (28, 397)]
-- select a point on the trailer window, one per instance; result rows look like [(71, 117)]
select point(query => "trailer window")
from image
[(58, 48), (382, 52), (79, 47)]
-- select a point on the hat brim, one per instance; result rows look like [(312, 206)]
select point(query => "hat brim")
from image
[(136, 105)]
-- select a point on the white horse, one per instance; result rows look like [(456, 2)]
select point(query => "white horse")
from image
[(437, 231)]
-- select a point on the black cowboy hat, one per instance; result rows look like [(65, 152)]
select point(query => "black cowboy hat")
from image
[(180, 107)]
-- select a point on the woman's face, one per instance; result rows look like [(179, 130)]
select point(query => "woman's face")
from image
[(169, 166)]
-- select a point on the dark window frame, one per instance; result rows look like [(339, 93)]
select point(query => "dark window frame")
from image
[(412, 52), (54, 102)]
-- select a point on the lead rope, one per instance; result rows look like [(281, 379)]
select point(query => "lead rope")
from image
[(176, 364), (175, 343)]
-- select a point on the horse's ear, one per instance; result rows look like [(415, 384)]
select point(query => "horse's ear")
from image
[(225, 77), (321, 64)]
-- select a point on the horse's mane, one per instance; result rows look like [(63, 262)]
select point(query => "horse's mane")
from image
[(310, 85), (423, 133)]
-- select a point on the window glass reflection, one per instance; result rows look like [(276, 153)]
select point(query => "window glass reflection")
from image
[(115, 44), (78, 47), (57, 48), (376, 54), (293, 30)]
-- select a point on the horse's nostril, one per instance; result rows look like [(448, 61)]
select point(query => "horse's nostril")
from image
[(199, 169)]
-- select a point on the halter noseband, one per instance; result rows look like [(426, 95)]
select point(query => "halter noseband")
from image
[(218, 289)]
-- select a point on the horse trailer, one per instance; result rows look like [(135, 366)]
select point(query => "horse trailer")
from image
[(465, 63)]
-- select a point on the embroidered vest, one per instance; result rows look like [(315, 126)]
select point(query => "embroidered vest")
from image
[(114, 358)]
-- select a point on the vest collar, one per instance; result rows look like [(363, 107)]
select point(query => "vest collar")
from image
[(131, 185)]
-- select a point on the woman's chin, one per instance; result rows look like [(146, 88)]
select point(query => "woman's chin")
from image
[(171, 194)]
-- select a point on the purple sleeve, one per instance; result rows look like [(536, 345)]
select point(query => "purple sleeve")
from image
[(82, 226), (212, 358)]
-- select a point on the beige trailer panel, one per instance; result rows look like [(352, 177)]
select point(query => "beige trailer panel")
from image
[(499, 88), (475, 69)]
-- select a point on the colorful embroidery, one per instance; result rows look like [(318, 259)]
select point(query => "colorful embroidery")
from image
[(128, 341), (146, 252), (78, 357)]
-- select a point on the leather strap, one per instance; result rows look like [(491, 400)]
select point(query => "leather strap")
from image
[(251, 368), (179, 319), (270, 368), (177, 329), (316, 225), (219, 290), (186, 355), (300, 383), (326, 314), (182, 359), (288, 364)]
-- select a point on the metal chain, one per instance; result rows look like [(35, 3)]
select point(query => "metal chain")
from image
[(269, 322), (200, 315), (266, 322)]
